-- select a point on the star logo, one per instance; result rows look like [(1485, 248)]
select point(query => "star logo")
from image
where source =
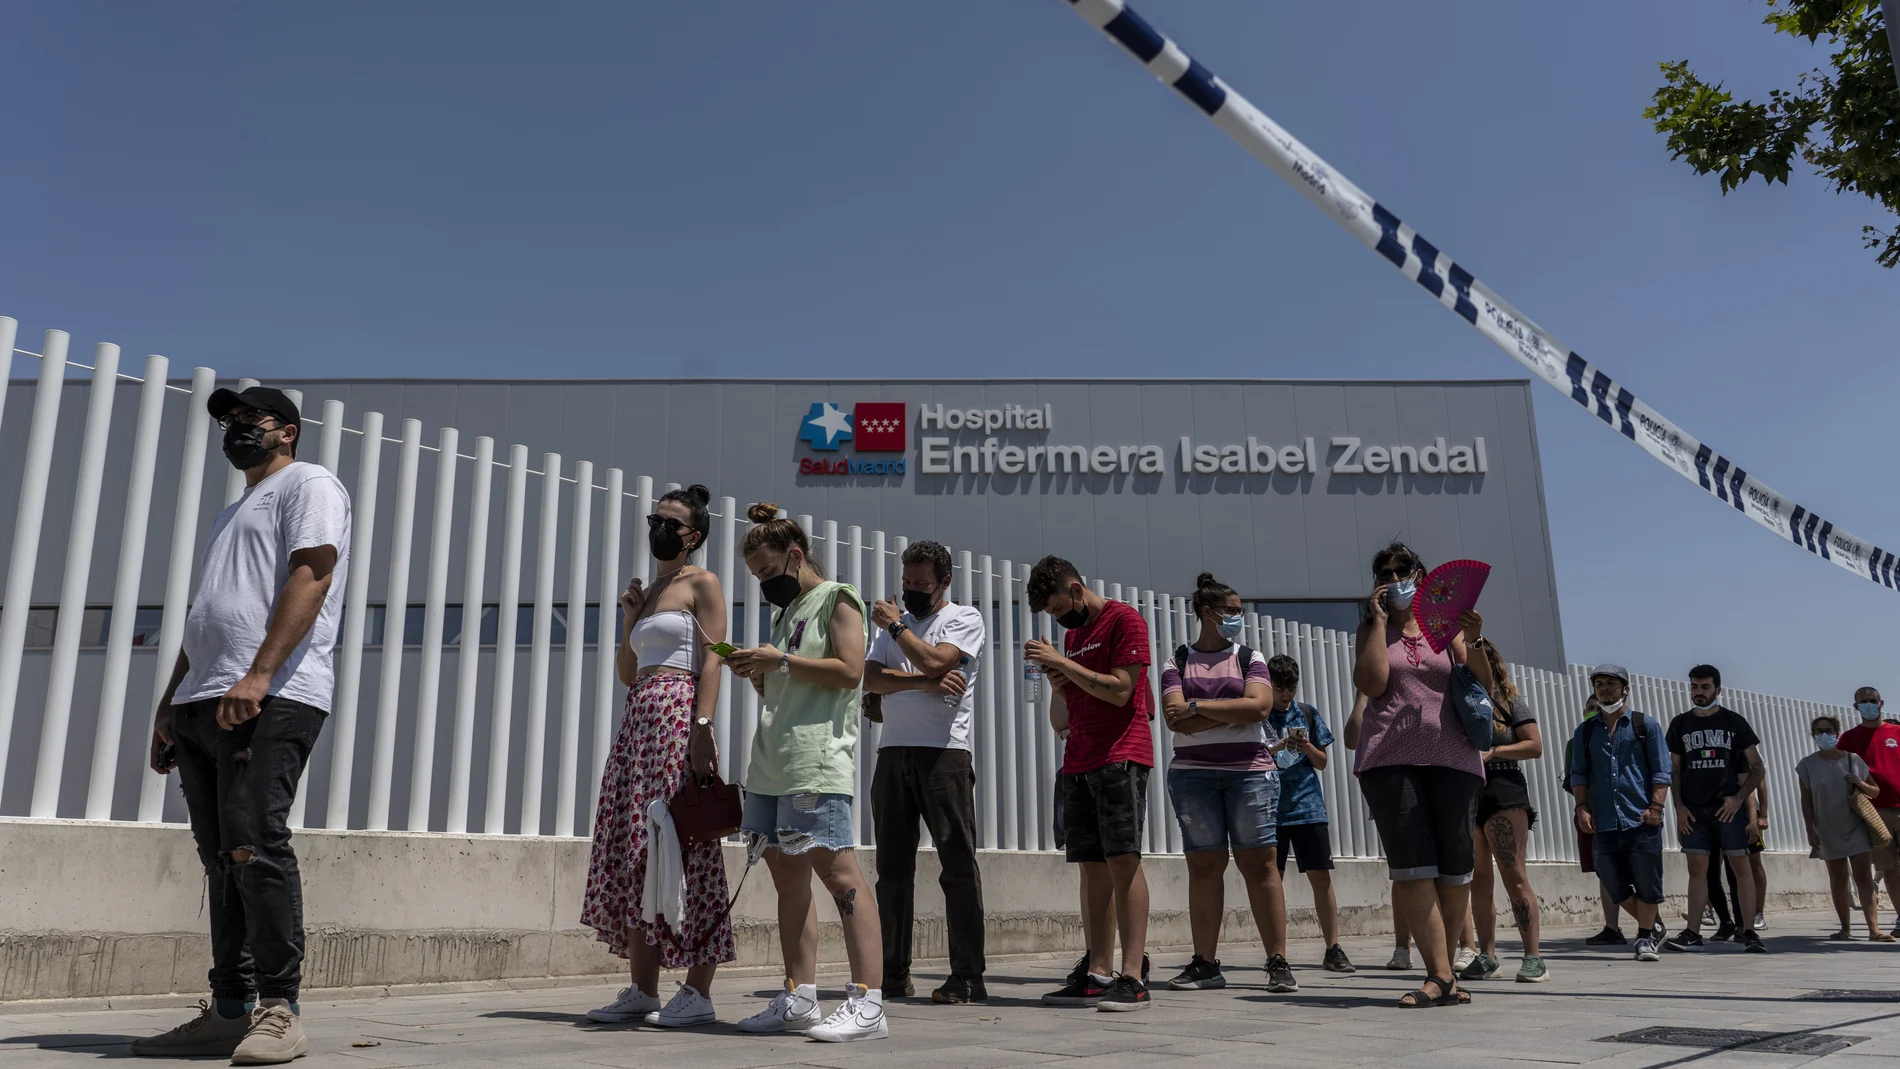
[(826, 426)]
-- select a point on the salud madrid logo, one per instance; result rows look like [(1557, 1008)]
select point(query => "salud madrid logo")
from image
[(870, 427)]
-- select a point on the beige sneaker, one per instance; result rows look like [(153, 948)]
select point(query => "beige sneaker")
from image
[(276, 1036), (205, 1035)]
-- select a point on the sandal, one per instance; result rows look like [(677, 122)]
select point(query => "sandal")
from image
[(1881, 937), (1842, 936), (1449, 995)]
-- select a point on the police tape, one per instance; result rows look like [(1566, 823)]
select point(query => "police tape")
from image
[(1474, 302)]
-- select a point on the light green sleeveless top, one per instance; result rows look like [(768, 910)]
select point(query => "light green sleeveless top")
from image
[(807, 733)]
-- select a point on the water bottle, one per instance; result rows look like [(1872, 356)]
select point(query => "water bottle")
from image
[(1032, 682), (963, 665)]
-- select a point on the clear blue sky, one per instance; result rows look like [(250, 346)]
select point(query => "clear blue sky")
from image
[(991, 187)]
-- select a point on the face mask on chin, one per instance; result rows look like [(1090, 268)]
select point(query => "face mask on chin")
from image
[(1610, 708), (1706, 708)]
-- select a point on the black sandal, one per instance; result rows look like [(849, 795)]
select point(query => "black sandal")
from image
[(1449, 995)]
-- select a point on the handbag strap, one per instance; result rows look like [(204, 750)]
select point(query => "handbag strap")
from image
[(713, 925)]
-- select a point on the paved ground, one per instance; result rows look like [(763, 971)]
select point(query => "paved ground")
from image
[(1332, 1021)]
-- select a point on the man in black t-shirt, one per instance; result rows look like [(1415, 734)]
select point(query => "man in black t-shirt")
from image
[(1707, 746)]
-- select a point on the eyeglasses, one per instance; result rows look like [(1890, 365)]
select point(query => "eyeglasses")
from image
[(252, 419), (658, 522)]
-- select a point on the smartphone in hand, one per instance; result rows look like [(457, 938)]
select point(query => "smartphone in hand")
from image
[(723, 649)]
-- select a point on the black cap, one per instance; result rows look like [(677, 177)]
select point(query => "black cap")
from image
[(261, 398)]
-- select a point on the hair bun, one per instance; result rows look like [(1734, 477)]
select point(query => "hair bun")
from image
[(1205, 579), (700, 494), (762, 512)]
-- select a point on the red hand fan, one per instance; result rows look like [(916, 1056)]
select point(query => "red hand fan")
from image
[(1446, 594)]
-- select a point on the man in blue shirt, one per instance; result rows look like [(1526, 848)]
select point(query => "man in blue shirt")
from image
[(1304, 737), (1620, 774)]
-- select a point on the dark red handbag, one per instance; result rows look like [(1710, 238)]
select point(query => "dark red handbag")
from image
[(706, 811)]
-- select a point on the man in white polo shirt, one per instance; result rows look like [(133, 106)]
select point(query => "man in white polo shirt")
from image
[(924, 663)]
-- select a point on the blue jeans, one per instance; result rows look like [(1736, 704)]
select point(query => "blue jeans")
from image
[(1630, 862), (1221, 808), (796, 823)]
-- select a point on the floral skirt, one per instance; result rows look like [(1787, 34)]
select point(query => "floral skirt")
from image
[(648, 761)]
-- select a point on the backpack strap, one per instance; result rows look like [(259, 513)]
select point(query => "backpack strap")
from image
[(1246, 662), (1180, 660), (1640, 724)]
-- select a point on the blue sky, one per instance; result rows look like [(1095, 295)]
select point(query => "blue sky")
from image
[(860, 188)]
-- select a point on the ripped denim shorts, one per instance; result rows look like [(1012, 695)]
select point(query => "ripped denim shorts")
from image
[(796, 823)]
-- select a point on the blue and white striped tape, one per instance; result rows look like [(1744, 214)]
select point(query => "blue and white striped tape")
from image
[(1474, 302)]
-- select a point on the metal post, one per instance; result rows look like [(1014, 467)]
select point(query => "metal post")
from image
[(1000, 653), (58, 714), (567, 771), (643, 506), (468, 646), (741, 758), (434, 611), (125, 590), (726, 548), (863, 762), (36, 468), (534, 742), (870, 736), (233, 478), (507, 616), (9, 334), (987, 722), (330, 443), (349, 672), (607, 635), (382, 761)]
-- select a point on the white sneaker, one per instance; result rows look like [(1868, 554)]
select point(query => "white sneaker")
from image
[(1646, 949), (687, 1008), (859, 1016), (632, 1004), (794, 1009), (1761, 922), (1401, 959), (1462, 959)]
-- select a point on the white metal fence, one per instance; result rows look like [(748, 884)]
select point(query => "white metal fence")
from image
[(562, 721)]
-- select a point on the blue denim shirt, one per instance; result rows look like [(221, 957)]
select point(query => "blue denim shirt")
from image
[(1611, 765)]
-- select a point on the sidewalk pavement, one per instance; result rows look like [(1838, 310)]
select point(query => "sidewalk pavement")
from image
[(1334, 1020)]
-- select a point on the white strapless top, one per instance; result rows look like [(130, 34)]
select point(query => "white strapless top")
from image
[(665, 640)]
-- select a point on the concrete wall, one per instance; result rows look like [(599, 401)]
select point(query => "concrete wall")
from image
[(94, 909)]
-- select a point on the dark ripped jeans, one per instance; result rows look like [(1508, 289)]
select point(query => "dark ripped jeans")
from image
[(238, 787), (936, 786)]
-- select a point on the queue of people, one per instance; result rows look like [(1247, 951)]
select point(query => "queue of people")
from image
[(251, 688)]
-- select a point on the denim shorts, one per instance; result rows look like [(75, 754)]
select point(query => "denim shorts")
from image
[(1629, 862), (1706, 833), (1221, 808), (796, 823)]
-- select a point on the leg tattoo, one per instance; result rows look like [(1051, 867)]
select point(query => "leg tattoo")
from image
[(1521, 915), (1503, 840), (846, 901)]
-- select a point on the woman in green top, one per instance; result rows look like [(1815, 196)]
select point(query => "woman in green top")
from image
[(802, 778)]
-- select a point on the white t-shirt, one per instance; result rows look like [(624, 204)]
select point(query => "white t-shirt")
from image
[(246, 564), (918, 717)]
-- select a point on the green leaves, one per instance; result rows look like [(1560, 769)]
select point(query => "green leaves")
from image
[(1844, 122)]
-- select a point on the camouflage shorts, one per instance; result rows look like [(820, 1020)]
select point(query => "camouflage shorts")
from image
[(1103, 811)]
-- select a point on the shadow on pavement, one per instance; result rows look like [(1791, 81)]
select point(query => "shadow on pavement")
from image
[(98, 1045)]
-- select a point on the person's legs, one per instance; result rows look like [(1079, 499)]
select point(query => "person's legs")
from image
[(1451, 812), (1251, 799), (857, 911), (1131, 909), (1098, 916), (1201, 811), (233, 973), (1207, 899), (949, 809), (1698, 864), (1266, 894), (1508, 834), (797, 914), (1758, 873), (1719, 902), (1609, 907), (1083, 847), (1646, 873), (894, 820), (1747, 904), (1863, 874), (1418, 901), (1837, 890), (1401, 930), (1484, 908), (1325, 903)]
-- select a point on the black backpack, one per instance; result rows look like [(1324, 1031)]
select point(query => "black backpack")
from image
[(1639, 723)]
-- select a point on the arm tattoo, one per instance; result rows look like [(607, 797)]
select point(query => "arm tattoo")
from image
[(846, 902)]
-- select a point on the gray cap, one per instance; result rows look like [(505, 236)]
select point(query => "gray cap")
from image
[(1614, 671)]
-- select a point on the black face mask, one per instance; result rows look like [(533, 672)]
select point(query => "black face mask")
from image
[(666, 544), (244, 446), (780, 590), (1077, 615), (918, 603)]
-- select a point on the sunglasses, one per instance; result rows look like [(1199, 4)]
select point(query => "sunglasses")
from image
[(1393, 575), (658, 522)]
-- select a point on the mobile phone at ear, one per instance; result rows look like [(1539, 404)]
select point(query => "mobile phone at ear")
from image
[(723, 649)]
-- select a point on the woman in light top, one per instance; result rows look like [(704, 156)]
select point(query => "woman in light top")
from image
[(1505, 820), (802, 778), (672, 683), (1830, 777)]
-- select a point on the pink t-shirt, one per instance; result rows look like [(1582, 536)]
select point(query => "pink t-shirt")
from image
[(1213, 676), (1413, 722)]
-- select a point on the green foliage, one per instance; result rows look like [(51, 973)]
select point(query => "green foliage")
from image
[(1844, 121)]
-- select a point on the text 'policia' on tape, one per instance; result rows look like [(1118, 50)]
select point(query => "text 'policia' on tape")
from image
[(1456, 289)]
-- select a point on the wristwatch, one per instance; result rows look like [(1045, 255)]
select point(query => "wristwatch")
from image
[(1194, 706), (702, 722), (785, 664), (898, 628)]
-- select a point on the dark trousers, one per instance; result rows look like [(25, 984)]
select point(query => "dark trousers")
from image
[(938, 787), (238, 787), (1718, 866)]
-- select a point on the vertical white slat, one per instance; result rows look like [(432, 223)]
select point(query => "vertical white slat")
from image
[(863, 759), (999, 662), (870, 736), (990, 775), (330, 440), (965, 593), (829, 552), (36, 469), (608, 635), (507, 616), (184, 551), (567, 768), (1052, 751), (725, 731), (125, 590), (434, 613), (741, 759), (643, 502), (234, 478), (535, 740), (468, 646), (382, 761), (9, 334), (56, 717), (349, 673), (1159, 653)]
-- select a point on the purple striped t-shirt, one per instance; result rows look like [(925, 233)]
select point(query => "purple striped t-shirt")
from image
[(1214, 675)]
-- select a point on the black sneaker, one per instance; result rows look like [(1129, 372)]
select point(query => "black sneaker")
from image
[(1751, 942), (1280, 976), (960, 989), (1200, 975), (1608, 937), (1087, 991), (1080, 970), (1683, 941), (1125, 993), (895, 988), (1723, 934), (1337, 961), (1145, 963)]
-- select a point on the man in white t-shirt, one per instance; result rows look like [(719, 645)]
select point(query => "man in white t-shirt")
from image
[(247, 699), (924, 662)]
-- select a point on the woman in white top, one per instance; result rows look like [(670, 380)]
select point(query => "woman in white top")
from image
[(672, 681), (1830, 777)]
